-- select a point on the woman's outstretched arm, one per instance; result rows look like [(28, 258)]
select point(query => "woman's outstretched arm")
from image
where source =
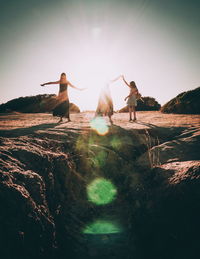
[(73, 86), (125, 81), (51, 83)]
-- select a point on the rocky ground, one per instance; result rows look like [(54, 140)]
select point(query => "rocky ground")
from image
[(46, 168)]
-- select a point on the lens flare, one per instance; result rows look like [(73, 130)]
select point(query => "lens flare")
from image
[(102, 227), (100, 159), (99, 125), (101, 191), (116, 143)]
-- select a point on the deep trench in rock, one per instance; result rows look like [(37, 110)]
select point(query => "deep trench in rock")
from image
[(82, 195)]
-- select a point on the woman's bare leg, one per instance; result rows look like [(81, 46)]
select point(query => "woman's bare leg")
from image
[(60, 119), (134, 113), (109, 116), (130, 113), (68, 117)]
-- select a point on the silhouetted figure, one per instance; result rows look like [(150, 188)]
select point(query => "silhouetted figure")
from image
[(132, 98), (105, 103), (62, 100)]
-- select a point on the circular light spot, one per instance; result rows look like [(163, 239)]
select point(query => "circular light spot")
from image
[(100, 125), (116, 143), (101, 191), (102, 227), (99, 160)]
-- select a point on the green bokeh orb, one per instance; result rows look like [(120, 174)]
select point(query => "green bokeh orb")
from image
[(101, 191), (102, 227)]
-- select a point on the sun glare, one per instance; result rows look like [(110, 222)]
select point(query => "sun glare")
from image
[(93, 42), (99, 124)]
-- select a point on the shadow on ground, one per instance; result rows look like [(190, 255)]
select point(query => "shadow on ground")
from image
[(67, 193)]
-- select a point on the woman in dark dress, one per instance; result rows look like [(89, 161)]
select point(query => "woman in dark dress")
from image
[(61, 108)]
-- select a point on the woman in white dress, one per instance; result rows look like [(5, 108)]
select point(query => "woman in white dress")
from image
[(132, 99)]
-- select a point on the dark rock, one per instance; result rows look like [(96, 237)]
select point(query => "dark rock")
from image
[(146, 104), (27, 228), (43, 188), (34, 104), (183, 147), (171, 224), (44, 202), (74, 108), (184, 103)]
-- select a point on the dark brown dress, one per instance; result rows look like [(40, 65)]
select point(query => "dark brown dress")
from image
[(62, 105)]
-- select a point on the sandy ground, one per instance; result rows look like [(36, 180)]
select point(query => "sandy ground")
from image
[(145, 120)]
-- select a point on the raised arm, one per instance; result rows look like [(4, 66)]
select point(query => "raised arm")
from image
[(51, 83), (73, 86), (125, 81)]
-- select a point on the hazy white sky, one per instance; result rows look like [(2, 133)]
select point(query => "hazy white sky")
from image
[(154, 43)]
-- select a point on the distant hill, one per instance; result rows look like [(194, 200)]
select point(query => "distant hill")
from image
[(149, 104), (33, 104), (184, 103)]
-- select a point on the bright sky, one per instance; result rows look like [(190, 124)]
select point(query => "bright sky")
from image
[(155, 43)]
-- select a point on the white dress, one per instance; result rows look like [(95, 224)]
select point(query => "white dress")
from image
[(132, 99)]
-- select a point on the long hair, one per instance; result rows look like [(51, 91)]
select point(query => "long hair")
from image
[(63, 76), (132, 84)]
